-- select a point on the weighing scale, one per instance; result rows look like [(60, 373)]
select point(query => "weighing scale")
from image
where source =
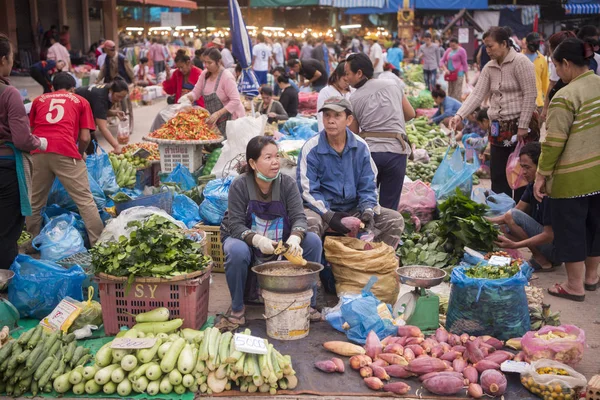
[(420, 306)]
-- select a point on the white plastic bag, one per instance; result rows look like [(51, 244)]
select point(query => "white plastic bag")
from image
[(239, 133), (547, 384), (117, 227)]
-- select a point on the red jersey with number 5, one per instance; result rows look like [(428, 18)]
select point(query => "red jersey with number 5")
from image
[(58, 117)]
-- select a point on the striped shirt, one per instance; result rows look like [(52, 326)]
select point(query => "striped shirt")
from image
[(570, 157), (512, 88)]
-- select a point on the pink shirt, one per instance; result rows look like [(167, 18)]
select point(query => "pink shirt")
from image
[(227, 93), (459, 59), (59, 52), (157, 52)]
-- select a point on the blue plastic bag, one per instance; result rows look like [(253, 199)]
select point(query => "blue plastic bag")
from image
[(59, 239), (453, 172), (300, 132), (59, 196), (182, 177), (215, 201), (185, 210), (361, 314), (496, 307), (294, 122), (499, 204), (54, 211), (100, 168), (39, 285)]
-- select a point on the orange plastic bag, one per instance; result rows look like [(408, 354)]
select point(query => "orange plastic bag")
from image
[(514, 172)]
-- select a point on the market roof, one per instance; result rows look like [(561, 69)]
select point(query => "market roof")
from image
[(467, 16), (579, 7)]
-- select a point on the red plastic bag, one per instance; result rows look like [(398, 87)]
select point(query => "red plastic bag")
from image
[(514, 172), (565, 345), (418, 199)]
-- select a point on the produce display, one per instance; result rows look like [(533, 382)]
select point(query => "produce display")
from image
[(24, 238), (553, 380), (413, 73), (443, 362), (421, 171), (423, 100), (424, 248), (493, 272), (542, 315), (157, 248), (187, 125), (151, 148), (36, 361), (563, 343), (124, 169), (420, 132)]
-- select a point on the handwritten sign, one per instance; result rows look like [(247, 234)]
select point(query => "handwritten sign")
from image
[(130, 343), (249, 344), (499, 261)]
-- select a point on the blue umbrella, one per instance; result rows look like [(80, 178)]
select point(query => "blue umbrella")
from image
[(242, 49)]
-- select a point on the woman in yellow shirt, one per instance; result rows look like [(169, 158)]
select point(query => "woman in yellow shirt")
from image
[(532, 51)]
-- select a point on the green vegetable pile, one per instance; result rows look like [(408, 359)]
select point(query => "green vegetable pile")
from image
[(423, 100), (155, 248), (24, 238), (211, 160), (492, 272), (421, 171), (420, 133), (35, 359), (125, 171), (424, 249), (414, 73), (463, 223)]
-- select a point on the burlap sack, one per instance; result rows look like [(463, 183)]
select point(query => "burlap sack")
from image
[(353, 267)]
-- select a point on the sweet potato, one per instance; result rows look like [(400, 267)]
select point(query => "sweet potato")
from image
[(344, 348), (441, 335), (410, 331), (326, 366), (380, 363), (398, 371), (428, 344), (380, 373), (353, 224), (357, 362), (373, 345), (394, 348), (493, 382), (416, 349), (397, 388), (499, 356), (366, 372), (339, 365), (475, 391), (393, 359), (437, 351), (423, 378), (464, 338), (450, 356), (387, 340), (409, 355), (415, 340), (473, 353), (459, 365), (446, 347), (444, 385), (454, 340), (425, 365), (520, 356), (484, 365), (471, 374), (498, 344), (374, 383), (460, 349), (400, 340)]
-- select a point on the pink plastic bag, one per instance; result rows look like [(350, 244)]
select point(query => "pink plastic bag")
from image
[(514, 172), (568, 350), (418, 199)]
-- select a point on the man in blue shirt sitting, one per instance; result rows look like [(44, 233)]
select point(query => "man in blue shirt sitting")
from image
[(337, 178)]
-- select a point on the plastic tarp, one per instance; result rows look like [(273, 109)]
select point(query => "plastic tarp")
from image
[(451, 4), (391, 7), (283, 3), (576, 7)]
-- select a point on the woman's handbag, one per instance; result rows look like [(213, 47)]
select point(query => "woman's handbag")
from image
[(451, 76)]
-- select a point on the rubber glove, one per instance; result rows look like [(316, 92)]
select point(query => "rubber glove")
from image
[(334, 220), (43, 144), (264, 244), (295, 248), (367, 218)]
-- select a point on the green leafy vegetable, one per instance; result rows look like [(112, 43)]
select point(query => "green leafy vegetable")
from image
[(492, 272)]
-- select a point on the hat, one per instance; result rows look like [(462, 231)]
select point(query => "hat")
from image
[(217, 41), (372, 37), (109, 44), (337, 104)]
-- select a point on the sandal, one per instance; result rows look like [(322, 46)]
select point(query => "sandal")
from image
[(228, 322), (537, 267), (561, 292), (591, 287), (314, 315)]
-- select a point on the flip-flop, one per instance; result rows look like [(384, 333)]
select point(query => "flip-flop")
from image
[(561, 292), (591, 287), (538, 268), (228, 322)]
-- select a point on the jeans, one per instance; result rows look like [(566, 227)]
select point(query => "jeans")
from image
[(159, 66), (430, 78), (533, 228), (239, 257), (391, 168), (10, 213)]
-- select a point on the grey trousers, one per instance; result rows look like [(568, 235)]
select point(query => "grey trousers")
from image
[(389, 225)]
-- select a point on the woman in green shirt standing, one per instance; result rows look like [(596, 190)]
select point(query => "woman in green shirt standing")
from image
[(569, 169)]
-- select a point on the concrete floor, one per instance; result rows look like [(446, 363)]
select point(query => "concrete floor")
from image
[(584, 315)]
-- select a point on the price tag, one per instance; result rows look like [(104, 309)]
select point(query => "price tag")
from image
[(130, 343), (498, 261), (249, 344), (514, 366)]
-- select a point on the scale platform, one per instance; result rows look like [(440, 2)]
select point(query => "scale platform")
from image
[(421, 306)]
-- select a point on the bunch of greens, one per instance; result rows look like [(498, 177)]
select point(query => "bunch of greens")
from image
[(463, 224), (155, 248), (492, 272), (423, 249), (414, 73)]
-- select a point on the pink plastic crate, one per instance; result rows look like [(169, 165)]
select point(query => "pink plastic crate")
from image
[(186, 299)]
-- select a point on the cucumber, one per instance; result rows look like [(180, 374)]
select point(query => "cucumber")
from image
[(160, 314), (25, 336), (23, 356), (34, 356), (69, 338), (84, 360), (6, 350), (79, 352), (12, 364), (53, 338), (35, 338), (43, 367), (55, 348), (47, 375), (70, 351), (59, 370)]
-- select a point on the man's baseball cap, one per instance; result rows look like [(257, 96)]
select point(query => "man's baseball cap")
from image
[(109, 44), (337, 104)]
